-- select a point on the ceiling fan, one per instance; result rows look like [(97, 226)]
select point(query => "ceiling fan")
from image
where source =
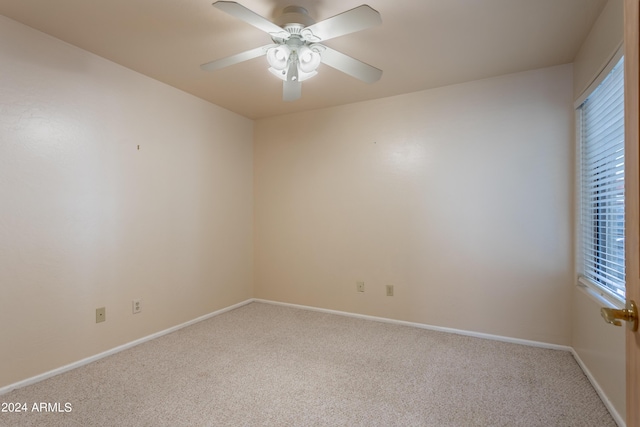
[(296, 52)]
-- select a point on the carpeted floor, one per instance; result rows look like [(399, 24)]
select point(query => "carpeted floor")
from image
[(268, 365)]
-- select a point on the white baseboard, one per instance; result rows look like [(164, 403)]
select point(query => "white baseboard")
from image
[(54, 372), (616, 416), (425, 326), (612, 410)]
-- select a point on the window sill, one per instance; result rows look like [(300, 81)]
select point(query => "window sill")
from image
[(598, 295)]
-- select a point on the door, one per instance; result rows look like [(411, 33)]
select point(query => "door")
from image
[(632, 199)]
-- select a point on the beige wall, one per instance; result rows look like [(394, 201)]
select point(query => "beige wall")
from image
[(460, 197), (597, 49), (599, 346), (87, 220)]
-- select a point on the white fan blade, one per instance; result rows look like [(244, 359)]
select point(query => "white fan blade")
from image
[(349, 65), (353, 20), (291, 90), (234, 59), (250, 17)]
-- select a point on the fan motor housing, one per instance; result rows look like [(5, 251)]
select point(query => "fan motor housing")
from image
[(292, 15)]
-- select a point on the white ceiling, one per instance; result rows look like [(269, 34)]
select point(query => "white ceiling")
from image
[(421, 44)]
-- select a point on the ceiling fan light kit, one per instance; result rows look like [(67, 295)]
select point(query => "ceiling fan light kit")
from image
[(296, 52)]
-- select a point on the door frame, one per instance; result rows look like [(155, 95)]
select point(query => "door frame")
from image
[(632, 199)]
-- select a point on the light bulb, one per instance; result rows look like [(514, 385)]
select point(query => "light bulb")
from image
[(308, 59), (278, 57)]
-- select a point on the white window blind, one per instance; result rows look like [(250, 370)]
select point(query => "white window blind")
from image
[(602, 184)]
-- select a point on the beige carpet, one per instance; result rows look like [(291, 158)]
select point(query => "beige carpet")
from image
[(268, 365)]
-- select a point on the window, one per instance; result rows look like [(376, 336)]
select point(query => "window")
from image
[(601, 141)]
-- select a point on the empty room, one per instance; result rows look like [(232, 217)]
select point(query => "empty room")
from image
[(315, 213)]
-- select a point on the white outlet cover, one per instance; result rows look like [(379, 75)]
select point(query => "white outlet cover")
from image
[(136, 306)]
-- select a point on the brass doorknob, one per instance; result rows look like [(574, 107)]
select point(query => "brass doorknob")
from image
[(629, 314)]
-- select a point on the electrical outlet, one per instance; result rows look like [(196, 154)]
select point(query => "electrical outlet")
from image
[(101, 314), (137, 306), (360, 286), (389, 290)]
